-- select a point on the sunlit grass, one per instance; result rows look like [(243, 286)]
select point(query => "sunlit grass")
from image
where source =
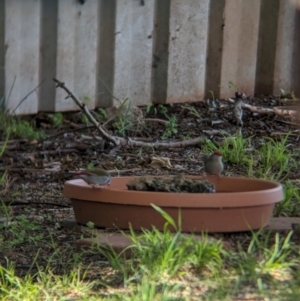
[(169, 265)]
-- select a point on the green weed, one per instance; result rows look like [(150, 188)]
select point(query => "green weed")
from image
[(3, 147), (149, 290), (235, 149), (101, 114), (57, 119), (14, 126), (284, 94), (149, 108), (191, 110), (231, 84), (85, 120), (290, 206), (275, 160), (19, 230), (171, 128), (42, 286), (124, 117), (262, 260), (163, 110)]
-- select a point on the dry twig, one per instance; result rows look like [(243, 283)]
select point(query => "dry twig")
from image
[(8, 184), (84, 108), (261, 110), (118, 140)]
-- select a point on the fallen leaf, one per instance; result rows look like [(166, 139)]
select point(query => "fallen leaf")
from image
[(179, 167), (159, 162)]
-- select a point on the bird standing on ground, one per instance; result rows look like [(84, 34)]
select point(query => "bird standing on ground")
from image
[(238, 107), (213, 164), (94, 176)]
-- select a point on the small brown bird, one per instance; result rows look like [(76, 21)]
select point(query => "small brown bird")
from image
[(213, 164), (94, 176)]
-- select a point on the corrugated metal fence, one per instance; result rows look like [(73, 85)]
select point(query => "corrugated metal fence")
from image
[(157, 51)]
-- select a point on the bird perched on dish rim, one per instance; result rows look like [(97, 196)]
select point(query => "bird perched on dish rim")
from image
[(96, 177), (213, 164)]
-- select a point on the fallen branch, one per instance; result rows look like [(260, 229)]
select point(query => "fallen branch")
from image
[(118, 140), (124, 170), (83, 107), (261, 110), (156, 120), (69, 131), (169, 144), (42, 153)]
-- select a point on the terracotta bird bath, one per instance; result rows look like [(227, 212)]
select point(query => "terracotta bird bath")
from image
[(239, 204)]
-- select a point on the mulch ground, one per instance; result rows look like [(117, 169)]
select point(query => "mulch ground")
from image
[(36, 169)]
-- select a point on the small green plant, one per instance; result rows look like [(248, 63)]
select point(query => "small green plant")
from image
[(171, 128), (207, 255), (14, 126), (86, 100), (85, 120), (3, 147), (57, 119), (275, 159), (21, 230), (231, 84), (90, 225), (214, 103), (149, 107), (263, 259), (45, 285), (234, 149), (163, 110), (90, 165), (284, 94), (4, 209), (290, 206), (208, 146), (149, 290), (191, 110), (195, 112), (125, 117), (122, 125), (212, 94), (101, 113)]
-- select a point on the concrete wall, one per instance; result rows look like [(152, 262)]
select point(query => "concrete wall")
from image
[(160, 51)]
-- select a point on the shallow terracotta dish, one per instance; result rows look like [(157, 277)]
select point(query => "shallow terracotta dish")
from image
[(240, 204)]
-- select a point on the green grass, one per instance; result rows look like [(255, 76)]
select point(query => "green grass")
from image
[(57, 119), (290, 206), (275, 159), (13, 126), (167, 266), (171, 128), (271, 160), (235, 149)]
